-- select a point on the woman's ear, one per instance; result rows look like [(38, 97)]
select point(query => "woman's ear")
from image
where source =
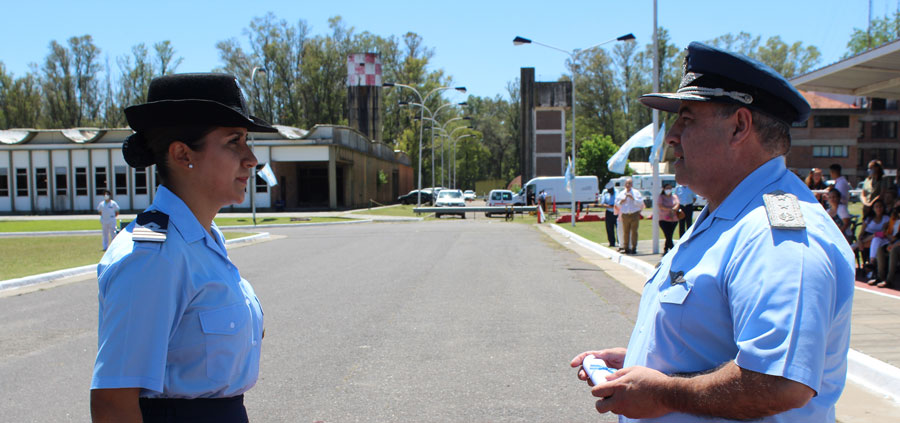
[(180, 155)]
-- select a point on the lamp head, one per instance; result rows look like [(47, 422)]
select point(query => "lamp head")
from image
[(462, 104), (387, 84), (521, 40), (461, 89), (626, 37)]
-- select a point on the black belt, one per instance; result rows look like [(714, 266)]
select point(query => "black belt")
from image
[(199, 410)]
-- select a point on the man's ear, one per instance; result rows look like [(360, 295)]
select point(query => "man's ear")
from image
[(743, 124), (180, 154)]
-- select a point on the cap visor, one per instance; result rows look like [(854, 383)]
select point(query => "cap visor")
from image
[(668, 102)]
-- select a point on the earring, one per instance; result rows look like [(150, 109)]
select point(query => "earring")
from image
[(190, 165)]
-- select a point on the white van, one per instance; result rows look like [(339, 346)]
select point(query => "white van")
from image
[(586, 190)]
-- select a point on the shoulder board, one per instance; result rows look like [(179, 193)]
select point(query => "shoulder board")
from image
[(151, 226), (783, 210)]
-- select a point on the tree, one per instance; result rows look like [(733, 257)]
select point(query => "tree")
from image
[(593, 154), (788, 60), (58, 84), (881, 30), (20, 100)]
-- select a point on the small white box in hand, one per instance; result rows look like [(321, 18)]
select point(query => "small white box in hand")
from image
[(596, 369)]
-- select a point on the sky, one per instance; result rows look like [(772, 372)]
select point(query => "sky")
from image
[(472, 40)]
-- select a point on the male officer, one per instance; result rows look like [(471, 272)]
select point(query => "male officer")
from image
[(748, 317)]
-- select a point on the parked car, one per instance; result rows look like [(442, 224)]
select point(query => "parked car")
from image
[(469, 195), (450, 198), (499, 198), (412, 197)]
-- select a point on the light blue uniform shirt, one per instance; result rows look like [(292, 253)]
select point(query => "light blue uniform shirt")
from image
[(685, 195), (176, 318), (774, 301), (608, 199)]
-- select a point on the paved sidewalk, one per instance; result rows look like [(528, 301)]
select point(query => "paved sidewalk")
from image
[(873, 391)]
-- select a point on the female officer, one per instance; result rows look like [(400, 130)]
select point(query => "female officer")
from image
[(179, 329)]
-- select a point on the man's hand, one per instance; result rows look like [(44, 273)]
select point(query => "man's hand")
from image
[(635, 392), (614, 358)]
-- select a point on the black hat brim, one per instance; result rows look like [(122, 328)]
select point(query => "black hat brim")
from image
[(669, 102), (191, 112)]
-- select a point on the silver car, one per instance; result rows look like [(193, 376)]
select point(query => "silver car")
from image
[(450, 198)]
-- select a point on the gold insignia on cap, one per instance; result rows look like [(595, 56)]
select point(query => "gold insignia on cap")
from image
[(783, 210)]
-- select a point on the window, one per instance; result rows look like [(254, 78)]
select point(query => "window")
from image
[(81, 187), (40, 180), (883, 104), (831, 121), (121, 180), (821, 151), (4, 182), (21, 182), (884, 129), (261, 185), (140, 181), (840, 151), (803, 124), (100, 180), (62, 182)]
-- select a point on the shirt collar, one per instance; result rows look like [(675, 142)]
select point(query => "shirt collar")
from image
[(749, 190), (179, 215)]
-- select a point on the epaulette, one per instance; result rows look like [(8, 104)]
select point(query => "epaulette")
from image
[(783, 210), (151, 226)]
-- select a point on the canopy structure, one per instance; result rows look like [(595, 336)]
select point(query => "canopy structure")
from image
[(875, 73)]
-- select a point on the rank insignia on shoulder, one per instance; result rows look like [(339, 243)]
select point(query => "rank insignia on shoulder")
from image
[(151, 226), (783, 210)]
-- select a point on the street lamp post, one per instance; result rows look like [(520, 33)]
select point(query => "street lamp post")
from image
[(421, 128), (260, 69), (573, 56), (454, 180), (436, 111)]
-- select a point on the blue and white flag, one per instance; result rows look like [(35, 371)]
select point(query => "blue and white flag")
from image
[(641, 139), (570, 175), (268, 175), (656, 153)]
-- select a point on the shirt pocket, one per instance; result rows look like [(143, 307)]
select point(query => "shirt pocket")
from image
[(670, 317), (227, 338)]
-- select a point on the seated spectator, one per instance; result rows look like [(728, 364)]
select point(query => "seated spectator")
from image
[(888, 254), (815, 182), (873, 228), (839, 213)]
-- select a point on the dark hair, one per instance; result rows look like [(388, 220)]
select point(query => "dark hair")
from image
[(106, 192), (835, 167), (152, 147), (879, 172), (774, 134)]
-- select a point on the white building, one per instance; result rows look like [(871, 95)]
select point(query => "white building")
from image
[(63, 171)]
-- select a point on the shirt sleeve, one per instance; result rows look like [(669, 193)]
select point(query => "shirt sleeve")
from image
[(140, 297), (781, 308), (842, 212)]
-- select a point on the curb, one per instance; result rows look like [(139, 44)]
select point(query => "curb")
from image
[(643, 268), (874, 374), (862, 369), (91, 268)]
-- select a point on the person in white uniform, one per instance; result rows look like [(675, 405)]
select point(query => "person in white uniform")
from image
[(748, 317), (109, 212)]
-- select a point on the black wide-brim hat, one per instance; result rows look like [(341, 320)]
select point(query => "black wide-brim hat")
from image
[(713, 74), (194, 99)]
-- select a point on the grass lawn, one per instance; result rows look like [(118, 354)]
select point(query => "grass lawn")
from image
[(80, 224), (26, 256), (402, 210), (596, 231), (49, 225)]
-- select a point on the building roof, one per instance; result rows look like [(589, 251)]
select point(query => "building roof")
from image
[(874, 73), (817, 101)]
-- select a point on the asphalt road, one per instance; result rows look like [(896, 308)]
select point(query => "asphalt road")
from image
[(445, 321)]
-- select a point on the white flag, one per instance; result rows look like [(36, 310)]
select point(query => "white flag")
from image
[(268, 175), (570, 176)]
